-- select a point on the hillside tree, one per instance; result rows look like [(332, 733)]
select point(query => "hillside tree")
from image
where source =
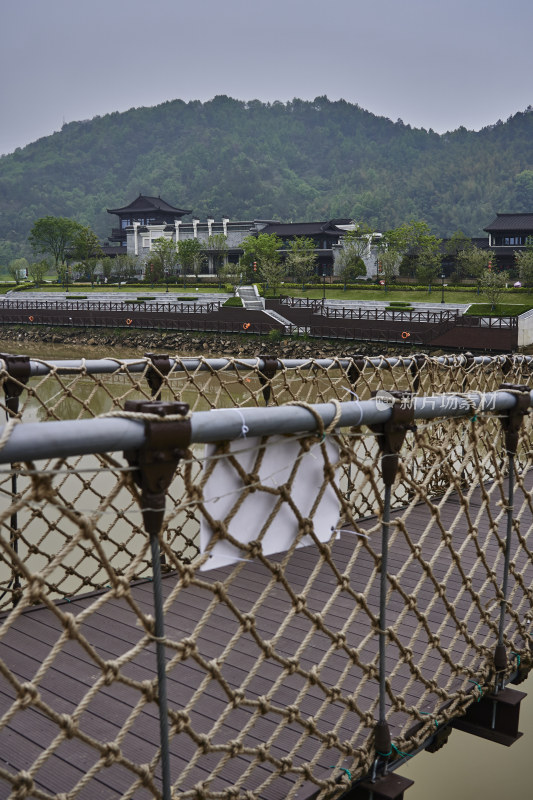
[(53, 236), (301, 258), (263, 250), (190, 256), (272, 272), (217, 248), (18, 269), (164, 258), (474, 261), (37, 270), (355, 246), (524, 262), (86, 249), (492, 285), (125, 266)]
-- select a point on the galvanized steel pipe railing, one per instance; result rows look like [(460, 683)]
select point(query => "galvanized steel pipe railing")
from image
[(188, 364), (40, 440)]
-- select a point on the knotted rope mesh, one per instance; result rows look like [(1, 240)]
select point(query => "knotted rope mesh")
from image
[(272, 661)]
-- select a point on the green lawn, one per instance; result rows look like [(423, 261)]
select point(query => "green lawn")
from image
[(450, 296), (140, 289), (500, 309)]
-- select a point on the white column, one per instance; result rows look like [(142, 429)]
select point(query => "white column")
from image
[(135, 241), (195, 228), (209, 226), (177, 224), (225, 225)]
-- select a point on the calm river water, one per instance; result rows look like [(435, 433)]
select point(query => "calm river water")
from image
[(467, 768)]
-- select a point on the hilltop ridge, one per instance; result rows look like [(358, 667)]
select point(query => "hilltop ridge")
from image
[(301, 160)]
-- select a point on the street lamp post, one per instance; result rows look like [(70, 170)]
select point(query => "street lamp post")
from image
[(323, 286), (442, 294), (166, 276)]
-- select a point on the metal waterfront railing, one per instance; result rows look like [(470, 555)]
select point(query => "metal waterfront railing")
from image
[(333, 583), (194, 306), (56, 389)]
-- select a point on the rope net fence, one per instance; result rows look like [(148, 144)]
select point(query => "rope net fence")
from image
[(271, 552)]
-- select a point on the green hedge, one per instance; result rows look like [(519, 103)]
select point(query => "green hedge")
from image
[(399, 287), (234, 301)]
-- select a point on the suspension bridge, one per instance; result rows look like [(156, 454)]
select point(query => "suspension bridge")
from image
[(259, 578)]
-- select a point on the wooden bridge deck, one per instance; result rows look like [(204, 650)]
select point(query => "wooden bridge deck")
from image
[(114, 629)]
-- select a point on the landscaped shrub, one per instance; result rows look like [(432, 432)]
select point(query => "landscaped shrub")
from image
[(234, 301)]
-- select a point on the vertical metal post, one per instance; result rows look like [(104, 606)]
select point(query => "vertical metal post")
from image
[(155, 464), (507, 558), (391, 435), (385, 525), (511, 423), (18, 368)]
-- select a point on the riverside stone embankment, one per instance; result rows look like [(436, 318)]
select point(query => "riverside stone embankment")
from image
[(188, 343)]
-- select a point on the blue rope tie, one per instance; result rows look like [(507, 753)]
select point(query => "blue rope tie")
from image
[(517, 657), (403, 755), (343, 769), (480, 689)]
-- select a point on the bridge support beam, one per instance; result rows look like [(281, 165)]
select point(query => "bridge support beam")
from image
[(495, 717), (388, 787)]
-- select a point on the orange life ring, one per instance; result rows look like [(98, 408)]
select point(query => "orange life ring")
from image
[(405, 334), (129, 321), (30, 319), (246, 325)]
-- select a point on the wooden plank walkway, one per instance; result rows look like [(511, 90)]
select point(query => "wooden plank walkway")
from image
[(113, 629)]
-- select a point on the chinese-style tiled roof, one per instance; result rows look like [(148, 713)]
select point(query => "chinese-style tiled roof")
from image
[(511, 222), (305, 228), (147, 205), (113, 250)]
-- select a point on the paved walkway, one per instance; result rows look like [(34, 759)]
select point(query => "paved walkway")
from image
[(250, 299)]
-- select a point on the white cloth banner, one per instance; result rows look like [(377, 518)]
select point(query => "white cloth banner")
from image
[(224, 486)]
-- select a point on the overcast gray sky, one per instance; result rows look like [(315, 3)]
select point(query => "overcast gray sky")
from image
[(434, 63)]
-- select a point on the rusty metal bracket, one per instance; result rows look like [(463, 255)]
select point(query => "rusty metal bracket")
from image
[(507, 364), (391, 434), (419, 359), (156, 461), (355, 369), (18, 368), (270, 366), (154, 374), (512, 420)]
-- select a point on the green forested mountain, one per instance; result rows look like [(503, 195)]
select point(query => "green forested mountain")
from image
[(294, 161)]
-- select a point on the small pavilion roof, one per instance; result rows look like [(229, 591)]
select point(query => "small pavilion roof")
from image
[(511, 222), (145, 204)]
